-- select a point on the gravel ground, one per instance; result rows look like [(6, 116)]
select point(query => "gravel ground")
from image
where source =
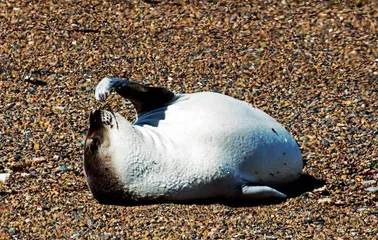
[(313, 65)]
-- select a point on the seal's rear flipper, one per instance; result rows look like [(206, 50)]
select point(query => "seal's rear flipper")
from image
[(259, 192), (142, 97)]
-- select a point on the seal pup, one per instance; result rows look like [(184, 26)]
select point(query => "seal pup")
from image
[(185, 147)]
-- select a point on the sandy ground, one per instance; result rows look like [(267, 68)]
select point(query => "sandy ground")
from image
[(313, 65)]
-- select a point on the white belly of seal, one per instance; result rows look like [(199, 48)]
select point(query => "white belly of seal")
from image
[(207, 144)]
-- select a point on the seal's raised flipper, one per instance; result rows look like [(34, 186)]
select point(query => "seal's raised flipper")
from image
[(258, 192), (143, 98)]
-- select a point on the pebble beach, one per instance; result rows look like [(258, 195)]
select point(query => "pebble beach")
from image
[(312, 65)]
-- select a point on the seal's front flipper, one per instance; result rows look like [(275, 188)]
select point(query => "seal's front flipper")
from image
[(142, 97), (259, 192)]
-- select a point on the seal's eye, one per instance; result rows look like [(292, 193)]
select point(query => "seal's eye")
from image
[(94, 144)]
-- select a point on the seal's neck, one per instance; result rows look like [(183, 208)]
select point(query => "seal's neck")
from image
[(136, 149)]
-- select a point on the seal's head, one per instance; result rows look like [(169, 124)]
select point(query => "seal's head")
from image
[(98, 166), (97, 137)]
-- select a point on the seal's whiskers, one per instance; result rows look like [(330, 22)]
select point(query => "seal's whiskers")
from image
[(107, 107)]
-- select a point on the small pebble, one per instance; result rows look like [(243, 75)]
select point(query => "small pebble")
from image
[(372, 189), (4, 177), (63, 169), (75, 235), (369, 182), (81, 143), (325, 200)]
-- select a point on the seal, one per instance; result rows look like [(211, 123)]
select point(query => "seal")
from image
[(185, 147)]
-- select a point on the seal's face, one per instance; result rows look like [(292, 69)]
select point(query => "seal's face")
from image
[(98, 165), (97, 136)]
